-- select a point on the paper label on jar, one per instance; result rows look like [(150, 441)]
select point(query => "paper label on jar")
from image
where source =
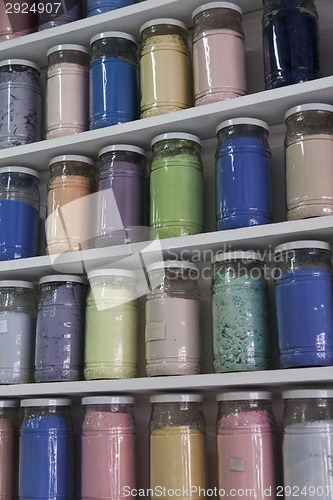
[(155, 331), (237, 464), (3, 326)]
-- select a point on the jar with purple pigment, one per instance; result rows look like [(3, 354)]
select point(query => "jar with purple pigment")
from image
[(20, 103), (53, 14), (122, 196), (60, 328)]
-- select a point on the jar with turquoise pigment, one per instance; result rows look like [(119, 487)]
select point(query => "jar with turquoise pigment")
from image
[(19, 212), (95, 7), (241, 339), (114, 79), (304, 303), (176, 186), (46, 450), (18, 310), (290, 42), (243, 174)]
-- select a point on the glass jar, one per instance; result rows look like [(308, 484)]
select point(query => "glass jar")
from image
[(95, 7), (20, 101), (60, 328), (8, 448), (308, 441), (246, 444), (46, 450), (67, 90), (108, 447), (24, 23), (309, 139), (114, 79), (176, 186), (165, 67), (177, 445), (241, 340), (172, 332), (18, 309), (218, 53), (70, 220), (122, 196), (304, 303), (57, 14), (290, 42), (111, 344), (243, 174), (19, 213)]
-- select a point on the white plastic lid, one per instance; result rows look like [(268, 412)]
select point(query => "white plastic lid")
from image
[(176, 398), (20, 170), (176, 135), (22, 62), (57, 278), (242, 121), (182, 264), (237, 255), (216, 5), (111, 272), (46, 402), (112, 34), (308, 393), (292, 245), (67, 46), (162, 20), (83, 159), (243, 396), (315, 106), (122, 147), (8, 403), (16, 284), (108, 400)]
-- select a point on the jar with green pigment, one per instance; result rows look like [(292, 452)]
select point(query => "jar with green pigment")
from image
[(176, 186)]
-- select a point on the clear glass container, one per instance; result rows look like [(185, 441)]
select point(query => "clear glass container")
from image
[(111, 341), (309, 135), (95, 7), (57, 14), (176, 186), (165, 67), (67, 90), (241, 339), (25, 23), (108, 447), (19, 212), (304, 303), (18, 309), (177, 445), (70, 223), (172, 335), (8, 448), (218, 53)]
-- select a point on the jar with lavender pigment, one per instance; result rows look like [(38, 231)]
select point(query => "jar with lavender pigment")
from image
[(56, 14), (20, 103), (60, 328), (241, 339)]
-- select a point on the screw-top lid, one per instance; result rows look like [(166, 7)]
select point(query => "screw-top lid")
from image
[(19, 170), (8, 403), (112, 34), (108, 400), (58, 278), (176, 398), (111, 272), (293, 245), (16, 284), (46, 402), (122, 147), (237, 255), (162, 20), (242, 121), (167, 264), (67, 46), (176, 135), (308, 393), (216, 5), (19, 62), (82, 159), (316, 106), (244, 396)]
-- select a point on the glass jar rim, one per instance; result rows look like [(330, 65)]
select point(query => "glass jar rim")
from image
[(308, 394), (162, 20), (217, 5), (19, 62), (67, 46), (79, 158), (59, 278), (242, 121), (26, 403), (237, 255), (176, 398), (175, 135), (111, 272), (8, 403), (317, 106), (19, 170), (122, 147), (112, 34), (182, 264), (16, 284), (244, 396), (107, 400), (302, 244)]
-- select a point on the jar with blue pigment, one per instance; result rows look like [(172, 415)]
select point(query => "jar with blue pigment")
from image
[(20, 103), (114, 79), (243, 174), (304, 303), (19, 212), (46, 450), (290, 42), (95, 7), (241, 339)]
